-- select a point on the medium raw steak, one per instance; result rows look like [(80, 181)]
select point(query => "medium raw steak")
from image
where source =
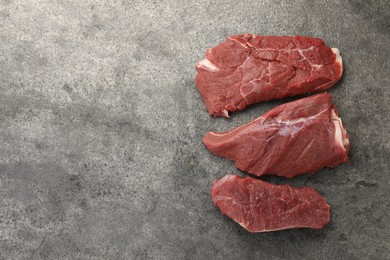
[(259, 206), (299, 137), (249, 68)]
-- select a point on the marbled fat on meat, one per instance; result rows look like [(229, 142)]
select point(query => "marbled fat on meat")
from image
[(295, 138), (247, 69), (259, 206)]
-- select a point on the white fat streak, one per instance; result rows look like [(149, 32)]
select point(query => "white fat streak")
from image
[(340, 132), (299, 120), (303, 56), (327, 83), (317, 66), (225, 112), (227, 177), (217, 134), (291, 129), (242, 44), (338, 135), (208, 65), (339, 60), (302, 50)]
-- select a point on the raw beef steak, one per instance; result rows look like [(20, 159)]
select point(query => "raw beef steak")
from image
[(259, 206), (248, 68), (299, 137)]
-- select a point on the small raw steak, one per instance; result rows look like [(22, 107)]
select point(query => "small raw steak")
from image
[(248, 68), (298, 137), (260, 206)]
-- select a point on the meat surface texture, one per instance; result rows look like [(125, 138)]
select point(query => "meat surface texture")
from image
[(259, 206), (248, 68), (295, 138)]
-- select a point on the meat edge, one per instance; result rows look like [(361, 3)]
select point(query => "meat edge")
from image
[(341, 138), (339, 60)]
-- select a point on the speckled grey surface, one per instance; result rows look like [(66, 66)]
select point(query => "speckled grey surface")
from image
[(101, 126)]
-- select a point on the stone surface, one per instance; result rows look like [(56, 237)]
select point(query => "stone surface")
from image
[(101, 126)]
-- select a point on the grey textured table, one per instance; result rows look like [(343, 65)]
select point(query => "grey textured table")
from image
[(101, 126)]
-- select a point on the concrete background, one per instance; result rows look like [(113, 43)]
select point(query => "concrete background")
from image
[(101, 126)]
